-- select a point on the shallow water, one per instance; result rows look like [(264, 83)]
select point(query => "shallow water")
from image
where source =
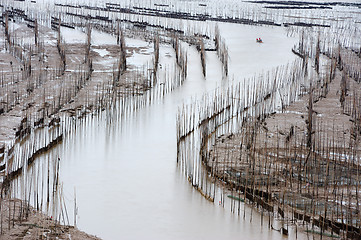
[(125, 174)]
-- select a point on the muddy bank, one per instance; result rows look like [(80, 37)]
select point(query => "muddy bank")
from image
[(55, 76), (49, 79), (20, 221), (90, 67), (50, 87), (300, 164), (286, 143)]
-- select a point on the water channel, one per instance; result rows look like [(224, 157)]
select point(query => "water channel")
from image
[(125, 174)]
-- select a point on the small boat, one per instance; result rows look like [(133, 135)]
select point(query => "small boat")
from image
[(259, 40)]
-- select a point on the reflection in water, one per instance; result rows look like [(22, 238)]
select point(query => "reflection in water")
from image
[(125, 172)]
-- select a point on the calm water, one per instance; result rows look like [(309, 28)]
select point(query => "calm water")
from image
[(125, 174)]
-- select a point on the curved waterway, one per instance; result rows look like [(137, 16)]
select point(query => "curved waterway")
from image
[(125, 174)]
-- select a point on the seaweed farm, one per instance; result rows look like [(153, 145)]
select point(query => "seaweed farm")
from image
[(180, 119)]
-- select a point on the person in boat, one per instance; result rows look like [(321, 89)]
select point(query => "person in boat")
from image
[(259, 40)]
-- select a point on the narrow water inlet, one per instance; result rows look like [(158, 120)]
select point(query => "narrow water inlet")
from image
[(125, 174), (118, 169)]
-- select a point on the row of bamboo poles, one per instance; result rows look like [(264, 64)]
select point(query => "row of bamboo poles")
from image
[(149, 12), (67, 94), (224, 111), (310, 177), (222, 51), (314, 175), (23, 181), (219, 112), (42, 130)]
